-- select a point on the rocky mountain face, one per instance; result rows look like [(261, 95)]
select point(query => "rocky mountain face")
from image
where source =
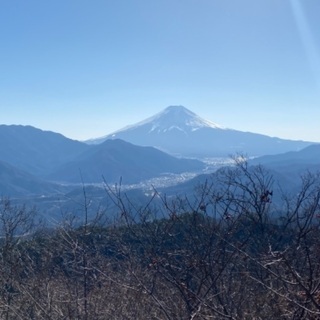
[(179, 131)]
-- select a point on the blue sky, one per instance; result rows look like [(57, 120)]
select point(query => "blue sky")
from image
[(87, 68)]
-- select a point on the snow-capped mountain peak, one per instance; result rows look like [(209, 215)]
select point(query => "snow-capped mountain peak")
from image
[(174, 118), (179, 131)]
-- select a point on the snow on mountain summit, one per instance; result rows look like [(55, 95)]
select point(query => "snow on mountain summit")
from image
[(174, 118)]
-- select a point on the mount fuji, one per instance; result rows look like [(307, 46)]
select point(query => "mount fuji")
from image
[(179, 131)]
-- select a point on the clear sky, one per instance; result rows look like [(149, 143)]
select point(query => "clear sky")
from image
[(86, 68)]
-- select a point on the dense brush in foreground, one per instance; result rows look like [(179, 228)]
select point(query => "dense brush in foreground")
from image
[(230, 254)]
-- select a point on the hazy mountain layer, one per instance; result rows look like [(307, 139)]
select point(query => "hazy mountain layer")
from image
[(293, 163), (15, 182), (115, 159)]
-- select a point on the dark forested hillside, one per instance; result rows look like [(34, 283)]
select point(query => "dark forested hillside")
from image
[(36, 151), (16, 182), (116, 159)]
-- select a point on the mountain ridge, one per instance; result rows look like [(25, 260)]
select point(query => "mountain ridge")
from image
[(36, 151)]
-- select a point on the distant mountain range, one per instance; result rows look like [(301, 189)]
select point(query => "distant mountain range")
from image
[(179, 131), (29, 155), (37, 162), (294, 163)]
